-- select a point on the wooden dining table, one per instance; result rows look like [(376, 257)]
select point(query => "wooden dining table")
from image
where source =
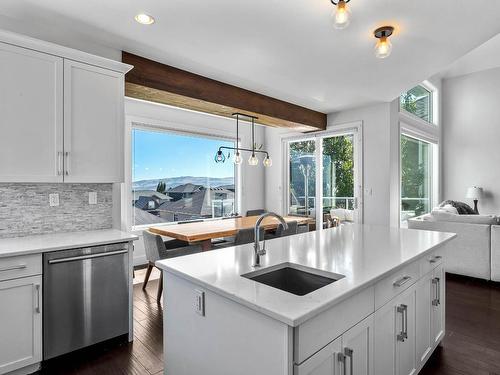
[(204, 232)]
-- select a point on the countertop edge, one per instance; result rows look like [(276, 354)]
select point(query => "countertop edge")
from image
[(55, 244), (296, 321)]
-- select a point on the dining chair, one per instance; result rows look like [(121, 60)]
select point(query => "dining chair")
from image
[(242, 237), (282, 232), (256, 212), (303, 228), (156, 249)]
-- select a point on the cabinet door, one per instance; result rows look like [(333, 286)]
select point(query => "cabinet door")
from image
[(324, 362), (21, 323), (438, 305), (93, 124), (31, 121), (357, 344), (385, 339), (424, 298), (405, 320), (394, 336)]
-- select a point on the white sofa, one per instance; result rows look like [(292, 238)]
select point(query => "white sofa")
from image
[(495, 253), (476, 251)]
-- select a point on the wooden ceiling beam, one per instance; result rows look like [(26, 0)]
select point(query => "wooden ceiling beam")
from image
[(153, 81)]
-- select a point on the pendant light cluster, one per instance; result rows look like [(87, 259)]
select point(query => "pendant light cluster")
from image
[(342, 18), (252, 160)]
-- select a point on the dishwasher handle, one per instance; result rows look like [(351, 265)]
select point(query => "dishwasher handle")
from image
[(84, 257)]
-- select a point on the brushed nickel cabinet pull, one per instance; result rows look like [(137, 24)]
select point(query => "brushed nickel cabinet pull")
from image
[(402, 281)]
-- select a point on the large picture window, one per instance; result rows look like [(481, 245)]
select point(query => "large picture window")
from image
[(175, 178), (416, 177), (419, 102)]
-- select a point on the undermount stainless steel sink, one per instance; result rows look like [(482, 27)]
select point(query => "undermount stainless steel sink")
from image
[(293, 278)]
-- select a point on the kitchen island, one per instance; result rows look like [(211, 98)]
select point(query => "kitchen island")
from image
[(356, 299)]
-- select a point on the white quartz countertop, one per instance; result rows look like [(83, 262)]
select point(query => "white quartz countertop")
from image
[(364, 254), (61, 241)]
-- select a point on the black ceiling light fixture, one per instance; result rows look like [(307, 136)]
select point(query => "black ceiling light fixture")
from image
[(383, 48), (341, 15), (253, 160)]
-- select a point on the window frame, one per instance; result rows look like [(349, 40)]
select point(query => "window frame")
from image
[(417, 128), (433, 151), (434, 106), (148, 124)]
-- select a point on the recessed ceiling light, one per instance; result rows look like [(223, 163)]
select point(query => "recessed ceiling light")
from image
[(144, 19)]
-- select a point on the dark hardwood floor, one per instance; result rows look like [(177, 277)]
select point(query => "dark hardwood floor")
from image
[(471, 345)]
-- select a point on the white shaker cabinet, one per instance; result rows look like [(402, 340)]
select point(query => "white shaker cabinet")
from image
[(93, 124), (395, 336), (351, 353), (424, 342), (325, 362), (21, 323), (62, 114), (357, 348), (438, 303), (31, 120)]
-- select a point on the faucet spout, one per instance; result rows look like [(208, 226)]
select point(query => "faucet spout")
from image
[(258, 251)]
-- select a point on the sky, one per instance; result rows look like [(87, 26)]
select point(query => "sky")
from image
[(161, 155)]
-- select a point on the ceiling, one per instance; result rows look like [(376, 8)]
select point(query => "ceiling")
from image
[(282, 48), (486, 56)]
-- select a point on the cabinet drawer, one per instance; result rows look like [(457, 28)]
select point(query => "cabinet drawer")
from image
[(20, 266), (317, 332), (394, 284), (431, 261)]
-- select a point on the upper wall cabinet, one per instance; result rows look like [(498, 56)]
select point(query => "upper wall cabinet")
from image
[(31, 115), (62, 114), (93, 124)]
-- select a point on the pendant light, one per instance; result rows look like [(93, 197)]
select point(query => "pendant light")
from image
[(237, 156), (383, 48), (252, 160), (341, 14)]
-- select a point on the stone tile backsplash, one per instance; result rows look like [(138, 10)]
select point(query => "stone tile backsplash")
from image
[(24, 208)]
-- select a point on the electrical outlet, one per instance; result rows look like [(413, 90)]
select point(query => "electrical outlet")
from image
[(92, 197), (53, 200), (199, 306)]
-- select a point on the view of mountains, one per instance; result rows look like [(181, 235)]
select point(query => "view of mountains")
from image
[(176, 181)]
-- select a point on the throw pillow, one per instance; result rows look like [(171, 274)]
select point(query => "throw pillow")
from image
[(462, 208)]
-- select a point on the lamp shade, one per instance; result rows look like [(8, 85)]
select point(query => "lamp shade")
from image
[(474, 192)]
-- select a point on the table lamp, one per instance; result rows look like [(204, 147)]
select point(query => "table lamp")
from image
[(474, 193)]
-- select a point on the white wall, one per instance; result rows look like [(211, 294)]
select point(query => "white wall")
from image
[(252, 178), (471, 137)]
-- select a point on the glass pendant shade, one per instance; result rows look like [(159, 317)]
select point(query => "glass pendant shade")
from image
[(383, 48), (253, 160), (341, 15), (237, 158), (219, 157), (267, 162)]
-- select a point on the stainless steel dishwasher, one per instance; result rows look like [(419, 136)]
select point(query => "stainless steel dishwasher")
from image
[(85, 297)]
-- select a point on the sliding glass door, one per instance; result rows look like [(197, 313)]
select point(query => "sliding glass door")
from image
[(324, 177), (302, 178)]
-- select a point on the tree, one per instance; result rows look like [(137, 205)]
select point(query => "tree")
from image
[(161, 187), (338, 169), (414, 163)]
